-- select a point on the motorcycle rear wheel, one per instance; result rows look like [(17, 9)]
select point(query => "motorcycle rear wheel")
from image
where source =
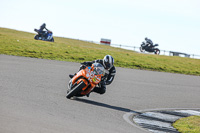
[(52, 40), (157, 51), (75, 90)]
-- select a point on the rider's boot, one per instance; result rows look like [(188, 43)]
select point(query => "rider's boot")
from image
[(88, 95), (71, 76)]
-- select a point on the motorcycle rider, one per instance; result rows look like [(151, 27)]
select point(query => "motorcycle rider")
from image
[(107, 79), (149, 43), (42, 27)]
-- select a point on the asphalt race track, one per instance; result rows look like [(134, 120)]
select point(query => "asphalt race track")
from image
[(32, 97)]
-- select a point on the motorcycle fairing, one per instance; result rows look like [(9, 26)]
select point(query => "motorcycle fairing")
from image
[(90, 79)]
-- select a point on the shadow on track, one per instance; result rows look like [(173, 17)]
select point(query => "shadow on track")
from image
[(105, 105)]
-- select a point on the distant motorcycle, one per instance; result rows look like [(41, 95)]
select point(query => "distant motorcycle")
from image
[(148, 48), (45, 35)]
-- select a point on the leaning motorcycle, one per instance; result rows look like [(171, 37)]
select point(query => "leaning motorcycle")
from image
[(45, 35), (145, 47), (85, 80)]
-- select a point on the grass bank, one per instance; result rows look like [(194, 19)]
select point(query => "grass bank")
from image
[(13, 42), (188, 125)]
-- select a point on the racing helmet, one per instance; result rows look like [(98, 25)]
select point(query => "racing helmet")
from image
[(108, 62)]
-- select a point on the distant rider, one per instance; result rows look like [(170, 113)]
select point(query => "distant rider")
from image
[(149, 43), (107, 79), (42, 27)]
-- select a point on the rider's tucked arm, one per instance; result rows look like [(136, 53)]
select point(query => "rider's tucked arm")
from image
[(111, 76), (46, 28), (109, 81), (87, 63)]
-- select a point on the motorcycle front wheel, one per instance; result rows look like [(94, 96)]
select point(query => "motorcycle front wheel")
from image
[(75, 90), (141, 49), (36, 37)]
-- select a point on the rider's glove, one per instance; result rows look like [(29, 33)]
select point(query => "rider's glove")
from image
[(84, 63), (82, 67)]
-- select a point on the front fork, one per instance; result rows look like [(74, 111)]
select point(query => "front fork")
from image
[(70, 85)]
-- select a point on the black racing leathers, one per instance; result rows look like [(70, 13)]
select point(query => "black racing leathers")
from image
[(106, 79), (41, 30), (149, 44)]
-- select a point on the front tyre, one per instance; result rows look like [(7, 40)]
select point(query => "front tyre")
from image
[(36, 37), (75, 90), (141, 49)]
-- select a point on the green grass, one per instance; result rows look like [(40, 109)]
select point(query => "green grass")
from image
[(188, 124), (20, 43)]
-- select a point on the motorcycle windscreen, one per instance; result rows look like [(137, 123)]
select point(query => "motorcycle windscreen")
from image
[(98, 69)]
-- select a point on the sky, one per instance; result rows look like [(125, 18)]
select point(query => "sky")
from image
[(173, 24)]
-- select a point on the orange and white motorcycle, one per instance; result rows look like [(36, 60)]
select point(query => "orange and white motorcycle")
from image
[(85, 80)]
